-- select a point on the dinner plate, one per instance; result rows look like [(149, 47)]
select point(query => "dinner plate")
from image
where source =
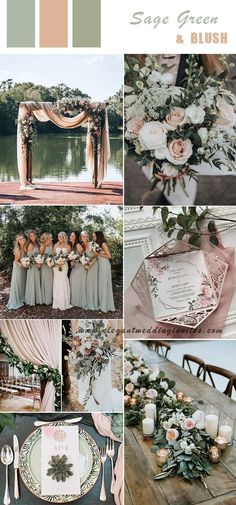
[(30, 465)]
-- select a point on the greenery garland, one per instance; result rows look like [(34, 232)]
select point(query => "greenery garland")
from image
[(44, 372), (179, 429)]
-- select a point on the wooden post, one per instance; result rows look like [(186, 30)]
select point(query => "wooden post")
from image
[(95, 154), (29, 166)]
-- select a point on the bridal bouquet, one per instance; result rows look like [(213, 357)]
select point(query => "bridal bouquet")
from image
[(172, 130), (60, 260), (25, 261), (50, 261), (39, 260), (93, 354), (180, 432), (84, 261), (73, 256), (95, 247)]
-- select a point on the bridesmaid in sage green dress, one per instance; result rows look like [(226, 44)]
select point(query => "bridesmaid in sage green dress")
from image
[(33, 293), (91, 281), (78, 274), (105, 291), (46, 271), (18, 278)]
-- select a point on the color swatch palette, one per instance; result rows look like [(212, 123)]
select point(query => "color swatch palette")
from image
[(54, 22)]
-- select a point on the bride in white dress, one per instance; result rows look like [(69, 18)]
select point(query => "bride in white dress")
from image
[(61, 286)]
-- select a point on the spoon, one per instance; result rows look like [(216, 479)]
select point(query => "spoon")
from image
[(67, 421), (6, 459)]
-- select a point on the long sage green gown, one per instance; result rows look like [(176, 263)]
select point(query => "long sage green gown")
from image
[(33, 293), (105, 291), (77, 285), (47, 279), (91, 283), (17, 289)]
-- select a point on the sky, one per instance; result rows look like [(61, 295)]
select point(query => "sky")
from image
[(100, 76)]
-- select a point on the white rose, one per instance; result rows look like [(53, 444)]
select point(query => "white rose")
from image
[(153, 376), (198, 417), (134, 377), (188, 450), (167, 78), (164, 385), (170, 393), (154, 77), (226, 114), (195, 114), (183, 444), (179, 151), (203, 134), (169, 170), (152, 136), (129, 100)]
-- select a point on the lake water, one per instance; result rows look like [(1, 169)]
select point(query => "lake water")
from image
[(59, 157)]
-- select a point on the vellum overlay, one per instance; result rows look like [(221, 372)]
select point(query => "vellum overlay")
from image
[(60, 440), (185, 283)]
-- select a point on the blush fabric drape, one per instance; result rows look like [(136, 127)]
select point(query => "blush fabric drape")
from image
[(39, 342), (43, 112)]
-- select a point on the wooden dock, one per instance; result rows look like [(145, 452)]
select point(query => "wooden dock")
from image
[(59, 193)]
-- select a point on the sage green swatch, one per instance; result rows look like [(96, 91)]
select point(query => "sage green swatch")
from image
[(20, 23), (86, 23)]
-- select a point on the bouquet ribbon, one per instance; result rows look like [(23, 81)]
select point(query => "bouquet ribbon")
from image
[(138, 305)]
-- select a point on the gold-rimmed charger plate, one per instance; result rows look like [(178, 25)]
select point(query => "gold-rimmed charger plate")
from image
[(30, 465)]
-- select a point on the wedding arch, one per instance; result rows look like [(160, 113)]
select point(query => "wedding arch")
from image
[(82, 111)]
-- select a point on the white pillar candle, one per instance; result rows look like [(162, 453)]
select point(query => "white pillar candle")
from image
[(150, 410), (226, 431), (211, 425), (148, 426)]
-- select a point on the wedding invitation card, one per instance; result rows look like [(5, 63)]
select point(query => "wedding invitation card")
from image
[(60, 465), (181, 287)]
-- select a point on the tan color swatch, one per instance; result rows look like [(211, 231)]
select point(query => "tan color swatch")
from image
[(53, 23)]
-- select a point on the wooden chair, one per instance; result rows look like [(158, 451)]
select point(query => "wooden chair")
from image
[(231, 376), (187, 358), (160, 346)]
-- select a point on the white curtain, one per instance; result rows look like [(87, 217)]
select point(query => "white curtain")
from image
[(37, 341)]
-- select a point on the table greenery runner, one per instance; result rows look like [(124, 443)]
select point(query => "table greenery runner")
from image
[(93, 352), (179, 424), (175, 129), (45, 372)]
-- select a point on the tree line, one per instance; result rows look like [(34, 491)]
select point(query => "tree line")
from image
[(11, 94)]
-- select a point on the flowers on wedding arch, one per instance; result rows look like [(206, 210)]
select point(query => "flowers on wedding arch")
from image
[(67, 113)]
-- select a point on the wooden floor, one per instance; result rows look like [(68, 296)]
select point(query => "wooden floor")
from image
[(59, 193)]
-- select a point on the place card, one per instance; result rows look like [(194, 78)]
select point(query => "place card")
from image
[(60, 460)]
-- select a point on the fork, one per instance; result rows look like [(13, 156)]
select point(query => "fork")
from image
[(103, 456), (110, 450)]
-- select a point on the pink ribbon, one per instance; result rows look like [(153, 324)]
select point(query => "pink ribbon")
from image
[(103, 426)]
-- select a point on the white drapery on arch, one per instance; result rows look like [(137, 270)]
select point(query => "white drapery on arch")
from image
[(43, 111), (39, 342)]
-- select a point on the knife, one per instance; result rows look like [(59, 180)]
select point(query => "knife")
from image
[(66, 421), (16, 466)]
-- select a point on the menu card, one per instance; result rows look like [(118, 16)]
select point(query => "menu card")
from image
[(60, 465)]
